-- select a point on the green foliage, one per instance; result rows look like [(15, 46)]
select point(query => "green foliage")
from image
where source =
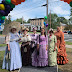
[(54, 21), (28, 21), (8, 21), (71, 11), (20, 20)]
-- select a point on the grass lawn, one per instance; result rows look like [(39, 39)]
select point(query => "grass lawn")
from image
[(1, 60), (68, 43), (62, 68), (2, 45), (67, 67)]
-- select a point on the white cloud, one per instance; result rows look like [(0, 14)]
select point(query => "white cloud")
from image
[(60, 11), (67, 17)]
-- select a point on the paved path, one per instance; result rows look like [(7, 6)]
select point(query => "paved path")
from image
[(3, 48), (34, 69)]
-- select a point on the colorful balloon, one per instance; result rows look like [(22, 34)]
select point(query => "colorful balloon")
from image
[(2, 12), (2, 17), (8, 1), (1, 21), (2, 7), (46, 25), (12, 5), (45, 17), (0, 24), (71, 3), (0, 27), (16, 2)]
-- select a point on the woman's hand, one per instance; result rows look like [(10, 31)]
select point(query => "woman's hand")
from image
[(46, 47), (37, 46), (54, 49), (8, 48)]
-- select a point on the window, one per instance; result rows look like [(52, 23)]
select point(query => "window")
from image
[(40, 23)]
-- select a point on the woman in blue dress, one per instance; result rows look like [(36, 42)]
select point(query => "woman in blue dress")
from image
[(13, 49)]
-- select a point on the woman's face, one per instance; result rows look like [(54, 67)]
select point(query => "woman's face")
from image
[(25, 31), (13, 30), (34, 31), (58, 29), (51, 33), (42, 31)]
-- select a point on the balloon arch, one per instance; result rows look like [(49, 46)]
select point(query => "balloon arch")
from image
[(7, 5)]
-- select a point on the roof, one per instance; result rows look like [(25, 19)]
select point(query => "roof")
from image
[(26, 24), (36, 18), (63, 24)]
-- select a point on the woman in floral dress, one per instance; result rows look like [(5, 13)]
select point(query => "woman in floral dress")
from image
[(52, 54)]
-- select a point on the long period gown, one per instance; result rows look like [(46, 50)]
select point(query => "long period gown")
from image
[(34, 54), (43, 53), (62, 55), (25, 50), (15, 54), (52, 55)]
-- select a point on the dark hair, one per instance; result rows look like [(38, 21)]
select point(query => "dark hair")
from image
[(51, 31), (44, 32)]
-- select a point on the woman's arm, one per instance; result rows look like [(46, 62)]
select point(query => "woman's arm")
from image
[(37, 42), (7, 39)]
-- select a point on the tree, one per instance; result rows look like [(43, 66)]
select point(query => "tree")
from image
[(28, 21), (20, 20), (9, 19), (62, 20), (6, 21), (54, 22), (71, 11)]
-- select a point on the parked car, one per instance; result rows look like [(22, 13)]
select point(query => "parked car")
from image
[(69, 32)]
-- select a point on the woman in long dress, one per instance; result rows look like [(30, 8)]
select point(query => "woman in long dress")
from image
[(62, 55), (12, 62), (42, 47), (52, 49), (25, 48), (34, 37)]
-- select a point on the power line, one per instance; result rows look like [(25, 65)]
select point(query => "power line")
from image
[(27, 10), (32, 4)]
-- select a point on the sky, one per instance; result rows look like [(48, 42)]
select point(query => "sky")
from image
[(32, 9)]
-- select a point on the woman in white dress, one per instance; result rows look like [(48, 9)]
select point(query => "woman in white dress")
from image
[(13, 50)]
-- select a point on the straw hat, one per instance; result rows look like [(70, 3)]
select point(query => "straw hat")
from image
[(8, 27)]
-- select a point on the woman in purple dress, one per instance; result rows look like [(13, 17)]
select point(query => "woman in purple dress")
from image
[(34, 47), (42, 47)]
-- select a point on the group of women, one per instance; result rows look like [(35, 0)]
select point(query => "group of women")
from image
[(36, 50)]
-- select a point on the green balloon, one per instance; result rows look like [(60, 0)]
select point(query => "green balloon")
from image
[(71, 3), (12, 5), (2, 17), (45, 17), (8, 1)]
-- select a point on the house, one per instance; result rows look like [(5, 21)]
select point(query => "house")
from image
[(37, 22), (1, 27), (62, 26)]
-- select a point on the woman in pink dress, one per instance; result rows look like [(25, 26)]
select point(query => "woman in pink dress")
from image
[(42, 47)]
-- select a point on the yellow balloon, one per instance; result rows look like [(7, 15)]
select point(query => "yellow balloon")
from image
[(2, 7)]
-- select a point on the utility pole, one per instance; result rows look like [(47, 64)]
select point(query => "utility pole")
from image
[(47, 10), (50, 18), (47, 17)]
